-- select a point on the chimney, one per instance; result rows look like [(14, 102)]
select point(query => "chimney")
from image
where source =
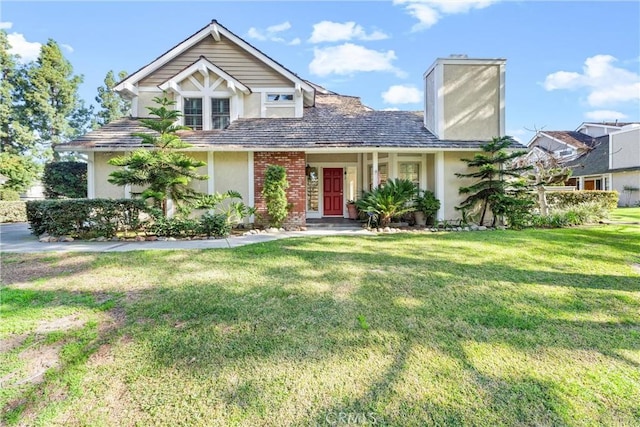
[(464, 98)]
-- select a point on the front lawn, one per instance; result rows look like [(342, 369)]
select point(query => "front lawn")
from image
[(628, 215), (539, 327)]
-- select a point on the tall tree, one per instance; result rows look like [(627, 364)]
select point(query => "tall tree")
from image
[(163, 170), (112, 105), (51, 98), (494, 166), (15, 135)]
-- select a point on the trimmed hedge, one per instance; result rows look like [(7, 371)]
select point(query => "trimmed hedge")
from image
[(12, 211), (85, 217), (566, 199), (9, 195)]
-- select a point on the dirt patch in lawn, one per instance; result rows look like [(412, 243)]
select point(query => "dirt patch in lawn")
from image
[(11, 342), (29, 267), (61, 324), (636, 268)]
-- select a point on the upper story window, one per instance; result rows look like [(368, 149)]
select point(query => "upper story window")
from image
[(193, 113), (220, 113), (279, 97)]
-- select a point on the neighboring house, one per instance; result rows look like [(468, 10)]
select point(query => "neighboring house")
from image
[(602, 156), (247, 111)]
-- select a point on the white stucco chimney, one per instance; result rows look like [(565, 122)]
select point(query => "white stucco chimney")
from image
[(464, 98)]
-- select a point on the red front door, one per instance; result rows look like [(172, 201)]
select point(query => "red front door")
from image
[(332, 191)]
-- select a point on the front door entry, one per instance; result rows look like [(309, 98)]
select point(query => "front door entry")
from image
[(332, 180)]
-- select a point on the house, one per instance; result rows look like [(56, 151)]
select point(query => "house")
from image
[(602, 156), (247, 111)]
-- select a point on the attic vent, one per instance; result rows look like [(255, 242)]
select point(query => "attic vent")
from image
[(459, 56)]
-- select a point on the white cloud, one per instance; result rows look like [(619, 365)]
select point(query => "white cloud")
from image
[(327, 31), (607, 84), (402, 94), (391, 109), (295, 42), (6, 25), (271, 33), (429, 12), (28, 51), (604, 115), (349, 58), (67, 47)]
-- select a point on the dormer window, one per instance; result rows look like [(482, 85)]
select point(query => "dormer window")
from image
[(220, 113), (193, 113), (279, 97)]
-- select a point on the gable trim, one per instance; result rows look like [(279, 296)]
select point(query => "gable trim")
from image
[(203, 65), (214, 29)]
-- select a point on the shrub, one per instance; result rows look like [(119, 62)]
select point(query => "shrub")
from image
[(274, 193), (13, 211), (391, 200), (216, 225), (85, 217), (65, 180), (427, 203), (175, 227), (564, 199), (9, 195), (583, 213), (515, 209)]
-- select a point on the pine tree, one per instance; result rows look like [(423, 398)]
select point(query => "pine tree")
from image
[(112, 105), (163, 170), (51, 97), (15, 135), (494, 166)]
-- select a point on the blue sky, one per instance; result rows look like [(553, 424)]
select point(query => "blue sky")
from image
[(567, 61)]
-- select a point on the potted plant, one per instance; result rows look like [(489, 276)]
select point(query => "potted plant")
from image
[(352, 209), (426, 206)]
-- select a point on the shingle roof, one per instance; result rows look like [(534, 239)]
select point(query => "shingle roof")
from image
[(336, 121), (572, 138), (593, 162)]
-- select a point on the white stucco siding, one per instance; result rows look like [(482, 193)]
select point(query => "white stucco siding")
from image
[(625, 149), (102, 169)]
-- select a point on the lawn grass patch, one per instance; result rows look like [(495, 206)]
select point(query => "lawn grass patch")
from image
[(538, 327), (627, 215)]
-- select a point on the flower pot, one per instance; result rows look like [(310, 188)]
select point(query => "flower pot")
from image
[(352, 210), (420, 218)]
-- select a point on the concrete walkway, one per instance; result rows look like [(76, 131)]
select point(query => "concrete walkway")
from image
[(18, 238)]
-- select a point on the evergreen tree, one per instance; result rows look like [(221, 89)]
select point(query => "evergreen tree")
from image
[(51, 97), (494, 166), (112, 105), (15, 135), (163, 170)]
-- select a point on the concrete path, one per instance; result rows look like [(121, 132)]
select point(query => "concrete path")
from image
[(18, 238)]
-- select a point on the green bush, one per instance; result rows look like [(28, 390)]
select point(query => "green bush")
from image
[(583, 213), (389, 201), (85, 217), (275, 195), (65, 180), (565, 199), (216, 225), (427, 203), (9, 195), (175, 227), (13, 211)]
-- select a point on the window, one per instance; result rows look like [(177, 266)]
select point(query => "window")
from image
[(193, 113), (410, 171), (220, 116), (280, 97)]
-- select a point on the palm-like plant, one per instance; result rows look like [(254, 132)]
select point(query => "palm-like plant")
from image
[(391, 200)]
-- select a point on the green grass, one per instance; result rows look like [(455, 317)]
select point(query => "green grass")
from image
[(627, 215), (539, 327)]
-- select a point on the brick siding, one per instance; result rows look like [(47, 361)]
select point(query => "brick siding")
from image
[(294, 163)]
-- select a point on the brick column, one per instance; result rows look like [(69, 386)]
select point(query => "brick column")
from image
[(294, 163)]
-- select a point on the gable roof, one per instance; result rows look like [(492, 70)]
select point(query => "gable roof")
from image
[(571, 138), (213, 29), (615, 124), (337, 121)]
